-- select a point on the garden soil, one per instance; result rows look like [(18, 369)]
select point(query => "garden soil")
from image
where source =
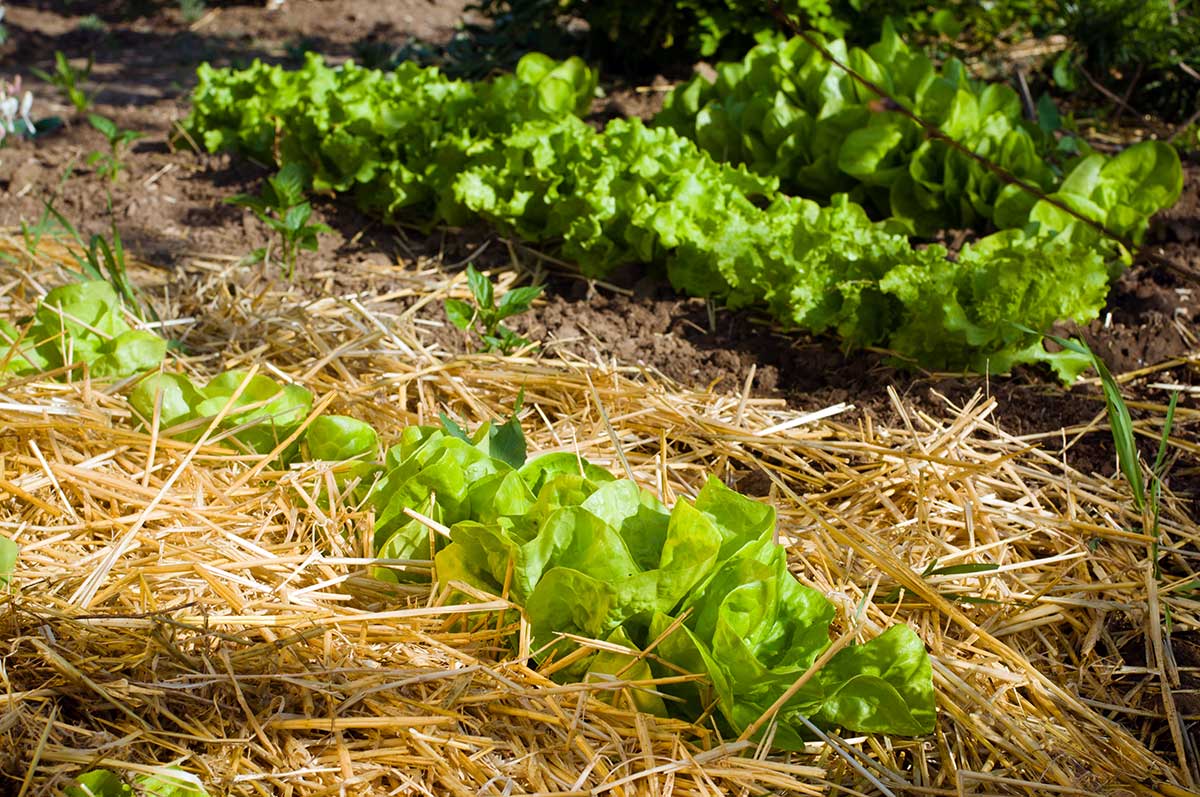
[(168, 205)]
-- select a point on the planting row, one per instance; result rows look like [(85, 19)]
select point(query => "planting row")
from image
[(788, 111), (704, 584), (513, 152)]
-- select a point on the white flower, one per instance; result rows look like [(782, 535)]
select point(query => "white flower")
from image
[(26, 104), (14, 105), (8, 113)]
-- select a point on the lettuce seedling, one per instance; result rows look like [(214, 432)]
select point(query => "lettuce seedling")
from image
[(485, 311), (262, 416), (80, 323), (586, 554)]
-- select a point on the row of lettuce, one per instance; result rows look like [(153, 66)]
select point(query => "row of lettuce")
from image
[(514, 152), (581, 552)]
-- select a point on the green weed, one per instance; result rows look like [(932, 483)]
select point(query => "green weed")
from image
[(282, 207), (67, 79), (488, 313), (109, 164)]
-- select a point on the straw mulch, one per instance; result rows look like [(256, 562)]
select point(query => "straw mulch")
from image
[(180, 605)]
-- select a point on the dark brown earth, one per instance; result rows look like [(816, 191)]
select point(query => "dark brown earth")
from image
[(168, 203)]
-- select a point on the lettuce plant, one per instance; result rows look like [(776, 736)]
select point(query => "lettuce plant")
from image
[(263, 414), (80, 322), (585, 553), (786, 111), (513, 153)]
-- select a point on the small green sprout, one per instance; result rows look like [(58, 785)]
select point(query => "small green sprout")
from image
[(67, 79), (192, 10), (100, 259), (109, 164), (282, 207), (488, 313)]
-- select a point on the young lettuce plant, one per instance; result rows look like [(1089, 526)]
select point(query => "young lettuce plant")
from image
[(282, 207), (109, 164), (488, 313)]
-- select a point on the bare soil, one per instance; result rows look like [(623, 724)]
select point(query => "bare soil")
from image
[(168, 204)]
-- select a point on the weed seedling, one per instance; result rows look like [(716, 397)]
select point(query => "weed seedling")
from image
[(1146, 499), (67, 79), (192, 10), (104, 260), (488, 313), (282, 207), (109, 164)]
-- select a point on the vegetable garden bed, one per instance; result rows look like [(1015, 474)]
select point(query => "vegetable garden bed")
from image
[(167, 590)]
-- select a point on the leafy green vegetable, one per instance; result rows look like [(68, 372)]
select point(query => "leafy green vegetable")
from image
[(787, 111), (167, 782), (99, 783), (415, 142), (81, 323), (336, 438), (585, 553), (262, 415), (8, 559)]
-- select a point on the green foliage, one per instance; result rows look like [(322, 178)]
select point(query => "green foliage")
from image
[(488, 313), (1148, 48), (192, 10), (67, 80), (99, 783), (512, 153), (80, 323), (282, 207), (99, 260), (585, 553), (336, 438), (109, 164), (167, 782), (786, 111), (350, 442), (8, 559), (258, 413), (1120, 422), (670, 31)]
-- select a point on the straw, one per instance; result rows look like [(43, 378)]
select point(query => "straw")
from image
[(194, 605)]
